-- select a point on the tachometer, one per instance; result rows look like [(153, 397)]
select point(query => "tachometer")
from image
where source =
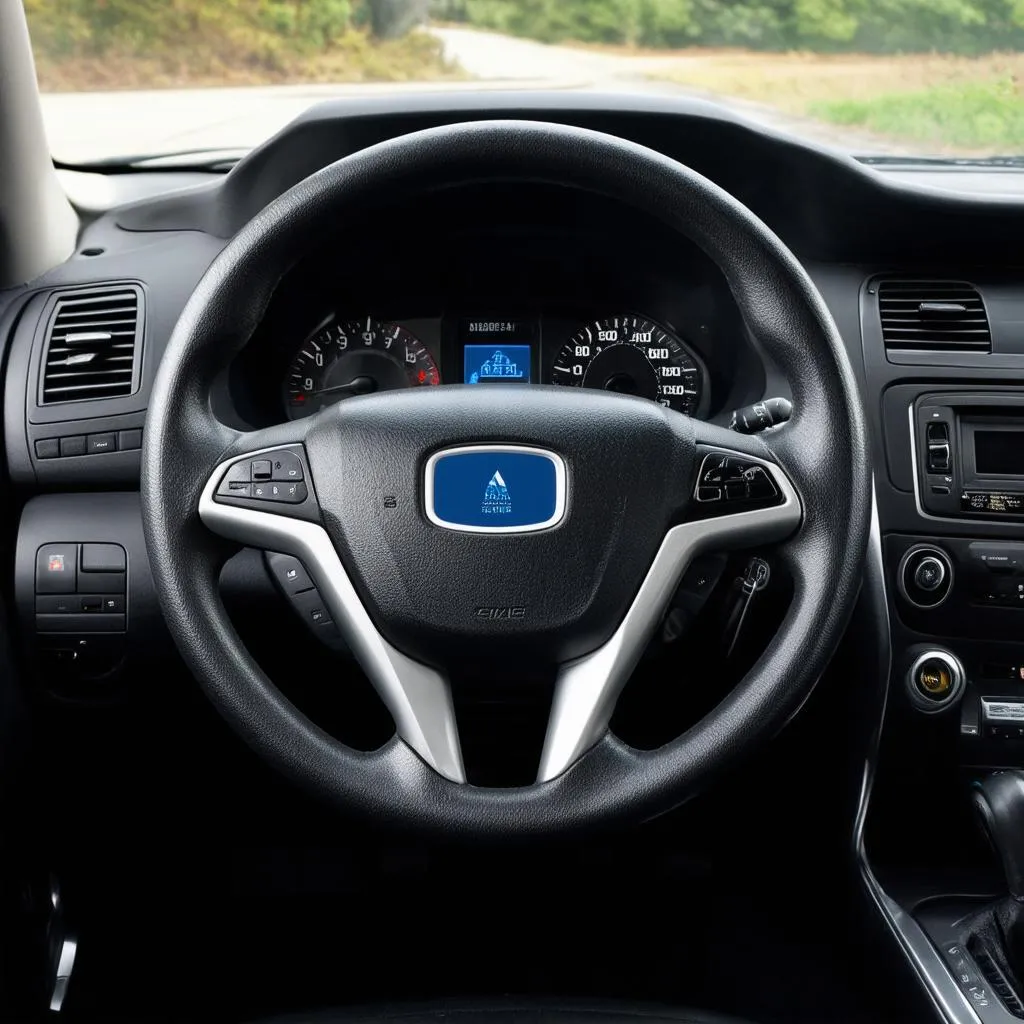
[(633, 356), (355, 358)]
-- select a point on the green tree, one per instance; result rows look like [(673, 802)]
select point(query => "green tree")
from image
[(390, 19)]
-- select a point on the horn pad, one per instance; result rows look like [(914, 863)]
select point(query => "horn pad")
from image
[(507, 522)]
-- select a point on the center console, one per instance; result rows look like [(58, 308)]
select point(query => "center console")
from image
[(966, 593), (952, 510)]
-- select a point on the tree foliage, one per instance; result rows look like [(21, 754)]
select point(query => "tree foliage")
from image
[(956, 26)]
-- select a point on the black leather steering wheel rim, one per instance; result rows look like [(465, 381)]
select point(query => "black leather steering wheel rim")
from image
[(823, 449)]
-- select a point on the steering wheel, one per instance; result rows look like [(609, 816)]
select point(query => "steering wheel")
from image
[(542, 526)]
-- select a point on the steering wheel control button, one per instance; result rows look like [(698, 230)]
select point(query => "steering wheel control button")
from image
[(291, 494), (936, 680), (312, 609), (493, 488), (285, 466), (289, 573), (274, 477), (103, 558), (56, 569), (731, 480), (297, 586), (925, 576)]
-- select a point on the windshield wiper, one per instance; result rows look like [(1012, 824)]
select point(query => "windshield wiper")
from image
[(214, 160), (1006, 162)]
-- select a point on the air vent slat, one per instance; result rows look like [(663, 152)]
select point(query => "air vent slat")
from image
[(73, 373), (92, 345), (90, 311), (95, 322), (933, 316)]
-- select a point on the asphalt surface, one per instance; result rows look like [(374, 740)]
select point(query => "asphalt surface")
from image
[(90, 126)]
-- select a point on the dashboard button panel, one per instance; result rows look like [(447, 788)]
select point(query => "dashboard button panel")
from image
[(107, 442), (81, 588)]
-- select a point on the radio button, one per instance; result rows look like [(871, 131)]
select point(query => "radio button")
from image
[(938, 457), (929, 574), (997, 557), (925, 576)]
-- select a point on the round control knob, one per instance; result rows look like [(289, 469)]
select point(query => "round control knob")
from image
[(929, 574), (925, 576), (935, 680)]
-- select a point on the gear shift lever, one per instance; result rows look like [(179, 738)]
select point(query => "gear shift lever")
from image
[(999, 803), (995, 935)]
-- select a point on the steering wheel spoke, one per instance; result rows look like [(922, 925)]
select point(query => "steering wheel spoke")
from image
[(741, 498), (266, 498)]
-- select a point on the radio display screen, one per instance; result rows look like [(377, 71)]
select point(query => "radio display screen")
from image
[(999, 452)]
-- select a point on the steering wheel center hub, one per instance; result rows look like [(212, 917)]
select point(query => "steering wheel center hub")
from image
[(484, 520)]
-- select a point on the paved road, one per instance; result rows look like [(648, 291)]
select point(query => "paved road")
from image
[(87, 126)]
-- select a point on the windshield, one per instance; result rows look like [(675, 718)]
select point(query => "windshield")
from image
[(883, 78)]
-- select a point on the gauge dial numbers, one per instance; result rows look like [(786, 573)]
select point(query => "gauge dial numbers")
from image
[(355, 357), (633, 356)]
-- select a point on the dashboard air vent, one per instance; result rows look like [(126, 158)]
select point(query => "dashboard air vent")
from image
[(92, 345), (933, 316)]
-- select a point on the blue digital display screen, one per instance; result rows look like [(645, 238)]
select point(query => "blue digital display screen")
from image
[(494, 490), (497, 363)]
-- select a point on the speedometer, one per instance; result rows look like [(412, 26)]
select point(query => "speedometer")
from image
[(355, 357), (633, 356)]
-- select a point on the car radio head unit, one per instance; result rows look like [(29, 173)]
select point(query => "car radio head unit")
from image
[(970, 454)]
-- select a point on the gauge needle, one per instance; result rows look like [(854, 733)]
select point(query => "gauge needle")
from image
[(356, 386)]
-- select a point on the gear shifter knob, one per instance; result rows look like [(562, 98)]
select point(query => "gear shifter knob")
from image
[(999, 803)]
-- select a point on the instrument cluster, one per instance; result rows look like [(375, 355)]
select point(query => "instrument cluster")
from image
[(626, 353)]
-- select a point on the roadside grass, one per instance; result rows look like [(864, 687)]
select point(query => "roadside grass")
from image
[(971, 116), (353, 57), (951, 104)]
